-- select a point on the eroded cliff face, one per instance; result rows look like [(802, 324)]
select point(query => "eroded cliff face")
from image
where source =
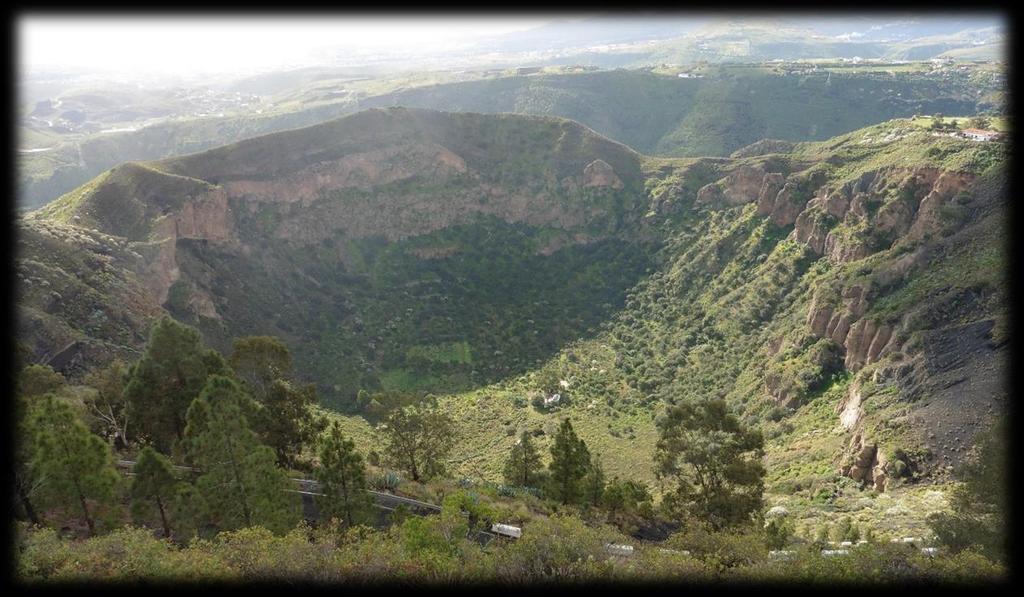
[(395, 193), (851, 221)]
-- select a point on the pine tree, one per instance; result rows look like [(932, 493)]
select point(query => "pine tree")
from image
[(77, 466), (570, 461), (240, 482), (523, 467), (154, 485), (593, 483), (26, 482), (287, 421), (342, 478), (165, 381)]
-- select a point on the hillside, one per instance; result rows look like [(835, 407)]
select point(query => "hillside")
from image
[(655, 114), (487, 224), (846, 296)]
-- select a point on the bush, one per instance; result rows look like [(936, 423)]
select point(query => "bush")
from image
[(721, 550), (560, 548)]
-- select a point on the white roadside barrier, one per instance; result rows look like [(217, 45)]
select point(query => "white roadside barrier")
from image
[(507, 530), (619, 549)]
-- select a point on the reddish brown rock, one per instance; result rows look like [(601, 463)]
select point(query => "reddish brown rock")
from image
[(808, 229), (855, 300), (893, 218), (743, 185), (841, 330), (818, 317), (836, 205), (600, 174), (787, 207), (881, 339), (843, 249), (770, 187), (710, 194)]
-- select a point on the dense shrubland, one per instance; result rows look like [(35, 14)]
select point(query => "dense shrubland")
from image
[(230, 516)]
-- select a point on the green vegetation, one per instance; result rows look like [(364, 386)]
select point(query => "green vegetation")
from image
[(570, 463), (74, 464), (523, 467), (685, 346), (713, 461), (556, 550), (419, 440), (342, 478), (153, 485), (285, 421), (164, 382), (240, 484)]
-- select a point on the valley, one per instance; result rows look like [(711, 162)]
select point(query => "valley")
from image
[(417, 260), (700, 299)]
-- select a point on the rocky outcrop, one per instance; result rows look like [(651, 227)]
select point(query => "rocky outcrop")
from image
[(206, 217), (843, 248), (770, 187), (362, 170), (779, 390), (929, 222), (873, 212), (809, 228), (849, 408), (863, 341), (599, 174), (836, 204), (787, 206), (742, 185), (864, 462)]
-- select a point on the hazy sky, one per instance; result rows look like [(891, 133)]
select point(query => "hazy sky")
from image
[(213, 44)]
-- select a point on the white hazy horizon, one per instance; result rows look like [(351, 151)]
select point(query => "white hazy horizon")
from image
[(213, 44)]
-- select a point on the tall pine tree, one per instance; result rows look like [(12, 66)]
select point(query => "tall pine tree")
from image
[(153, 487), (240, 483), (342, 478), (570, 461), (523, 467), (165, 381), (286, 421), (77, 466)]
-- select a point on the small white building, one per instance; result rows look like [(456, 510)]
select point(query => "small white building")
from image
[(980, 135)]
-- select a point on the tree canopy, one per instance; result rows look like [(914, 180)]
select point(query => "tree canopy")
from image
[(714, 461)]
